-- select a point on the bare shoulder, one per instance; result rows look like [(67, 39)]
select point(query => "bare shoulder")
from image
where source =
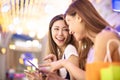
[(101, 42), (105, 36)]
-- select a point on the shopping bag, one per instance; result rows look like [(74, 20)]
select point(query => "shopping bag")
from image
[(113, 71), (93, 70)]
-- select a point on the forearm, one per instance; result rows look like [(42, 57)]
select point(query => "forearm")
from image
[(76, 72), (74, 60)]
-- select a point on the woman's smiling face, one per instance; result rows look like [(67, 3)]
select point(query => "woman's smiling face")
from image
[(76, 26), (60, 32)]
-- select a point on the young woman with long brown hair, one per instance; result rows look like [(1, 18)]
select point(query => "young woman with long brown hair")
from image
[(88, 27), (61, 46)]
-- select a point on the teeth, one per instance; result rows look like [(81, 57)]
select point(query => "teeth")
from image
[(60, 38)]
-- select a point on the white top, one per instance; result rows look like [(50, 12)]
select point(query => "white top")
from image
[(69, 50)]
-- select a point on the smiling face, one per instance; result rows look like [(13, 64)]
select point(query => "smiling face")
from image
[(76, 26), (60, 32)]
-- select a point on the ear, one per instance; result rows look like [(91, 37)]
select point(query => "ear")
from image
[(78, 18)]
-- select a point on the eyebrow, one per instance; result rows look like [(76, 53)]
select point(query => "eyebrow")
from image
[(62, 27)]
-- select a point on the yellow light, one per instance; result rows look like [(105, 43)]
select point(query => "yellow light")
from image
[(21, 61), (29, 68), (3, 50), (11, 46)]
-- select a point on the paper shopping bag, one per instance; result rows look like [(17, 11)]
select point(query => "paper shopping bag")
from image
[(100, 70), (93, 70), (111, 73)]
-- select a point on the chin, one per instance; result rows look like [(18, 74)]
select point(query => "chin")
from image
[(77, 38), (61, 44)]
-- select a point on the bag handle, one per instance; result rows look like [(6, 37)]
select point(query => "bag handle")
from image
[(108, 56)]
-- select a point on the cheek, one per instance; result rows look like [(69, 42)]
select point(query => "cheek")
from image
[(74, 27), (53, 35), (70, 27), (80, 29), (66, 35)]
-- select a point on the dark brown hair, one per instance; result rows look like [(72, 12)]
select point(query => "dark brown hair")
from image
[(93, 22)]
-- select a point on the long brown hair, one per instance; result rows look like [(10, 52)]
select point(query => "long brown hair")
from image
[(52, 46), (93, 22)]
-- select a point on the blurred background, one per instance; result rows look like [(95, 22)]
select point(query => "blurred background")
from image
[(24, 27)]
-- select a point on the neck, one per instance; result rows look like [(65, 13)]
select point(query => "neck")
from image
[(62, 49), (91, 36)]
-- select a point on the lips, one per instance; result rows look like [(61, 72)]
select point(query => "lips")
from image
[(60, 39)]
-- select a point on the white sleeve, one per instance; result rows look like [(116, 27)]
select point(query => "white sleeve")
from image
[(70, 50)]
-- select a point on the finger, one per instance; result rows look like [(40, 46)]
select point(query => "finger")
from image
[(26, 71), (45, 65), (47, 57), (29, 75), (50, 56), (45, 69), (52, 70), (36, 74)]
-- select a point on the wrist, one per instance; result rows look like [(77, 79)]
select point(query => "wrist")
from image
[(64, 62)]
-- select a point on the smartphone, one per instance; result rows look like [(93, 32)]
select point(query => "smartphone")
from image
[(43, 74), (33, 65)]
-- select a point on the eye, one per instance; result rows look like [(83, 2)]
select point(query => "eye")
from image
[(66, 29), (56, 28), (67, 21)]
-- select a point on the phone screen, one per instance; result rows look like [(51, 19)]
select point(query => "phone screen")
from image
[(32, 64), (43, 74)]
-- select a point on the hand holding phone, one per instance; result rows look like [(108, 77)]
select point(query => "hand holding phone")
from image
[(39, 71), (33, 75), (32, 64)]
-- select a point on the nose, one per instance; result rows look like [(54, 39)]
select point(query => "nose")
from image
[(60, 32), (70, 32)]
